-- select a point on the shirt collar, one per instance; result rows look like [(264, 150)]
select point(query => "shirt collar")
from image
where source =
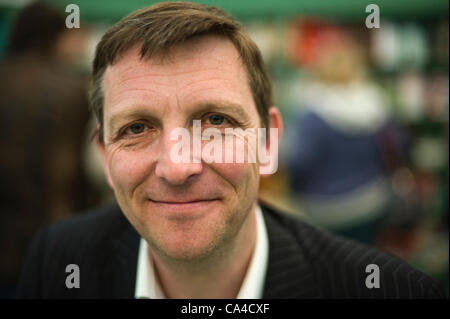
[(147, 284)]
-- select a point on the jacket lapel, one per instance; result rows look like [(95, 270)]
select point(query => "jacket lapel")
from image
[(289, 274), (119, 275)]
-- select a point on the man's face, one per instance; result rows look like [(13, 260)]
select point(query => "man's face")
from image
[(184, 210)]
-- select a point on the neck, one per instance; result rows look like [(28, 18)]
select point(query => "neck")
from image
[(219, 275)]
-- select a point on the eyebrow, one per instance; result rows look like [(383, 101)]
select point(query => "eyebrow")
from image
[(216, 106)]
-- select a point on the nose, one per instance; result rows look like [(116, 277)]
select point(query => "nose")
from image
[(172, 172)]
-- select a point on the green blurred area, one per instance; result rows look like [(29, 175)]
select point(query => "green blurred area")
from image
[(112, 11)]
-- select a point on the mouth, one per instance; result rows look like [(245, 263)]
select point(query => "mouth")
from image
[(185, 209), (181, 202)]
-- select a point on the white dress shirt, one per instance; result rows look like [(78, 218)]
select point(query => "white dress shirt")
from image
[(148, 286)]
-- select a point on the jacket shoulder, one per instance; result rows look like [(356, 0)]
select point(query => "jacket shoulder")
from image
[(343, 268), (81, 240), (88, 227)]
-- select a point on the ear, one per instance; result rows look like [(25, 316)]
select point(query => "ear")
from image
[(102, 150), (276, 121), (269, 165)]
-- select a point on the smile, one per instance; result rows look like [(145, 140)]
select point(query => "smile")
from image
[(186, 209)]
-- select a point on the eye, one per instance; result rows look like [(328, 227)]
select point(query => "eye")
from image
[(136, 128), (216, 119)]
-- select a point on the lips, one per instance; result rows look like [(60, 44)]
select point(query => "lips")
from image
[(185, 209), (183, 205), (175, 201)]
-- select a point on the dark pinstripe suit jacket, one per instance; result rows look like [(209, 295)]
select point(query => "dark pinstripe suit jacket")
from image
[(304, 262)]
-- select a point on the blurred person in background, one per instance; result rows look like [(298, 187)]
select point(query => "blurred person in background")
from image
[(43, 114), (342, 141)]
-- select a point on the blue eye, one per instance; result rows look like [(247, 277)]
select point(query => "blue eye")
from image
[(136, 128), (216, 119)]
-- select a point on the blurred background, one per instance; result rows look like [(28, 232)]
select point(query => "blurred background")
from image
[(365, 148)]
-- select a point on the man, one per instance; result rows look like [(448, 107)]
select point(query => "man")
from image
[(193, 229)]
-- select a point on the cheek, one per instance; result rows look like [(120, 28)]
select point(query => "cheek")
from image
[(127, 170), (243, 174), (243, 177)]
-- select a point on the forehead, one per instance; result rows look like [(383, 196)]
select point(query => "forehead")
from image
[(203, 68), (208, 51)]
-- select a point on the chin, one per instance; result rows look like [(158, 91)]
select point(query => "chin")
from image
[(189, 248)]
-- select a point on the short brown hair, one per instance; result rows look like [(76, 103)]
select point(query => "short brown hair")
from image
[(160, 26)]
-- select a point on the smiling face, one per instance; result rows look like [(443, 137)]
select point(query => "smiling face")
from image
[(183, 210)]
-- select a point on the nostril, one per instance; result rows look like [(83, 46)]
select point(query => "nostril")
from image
[(177, 173)]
